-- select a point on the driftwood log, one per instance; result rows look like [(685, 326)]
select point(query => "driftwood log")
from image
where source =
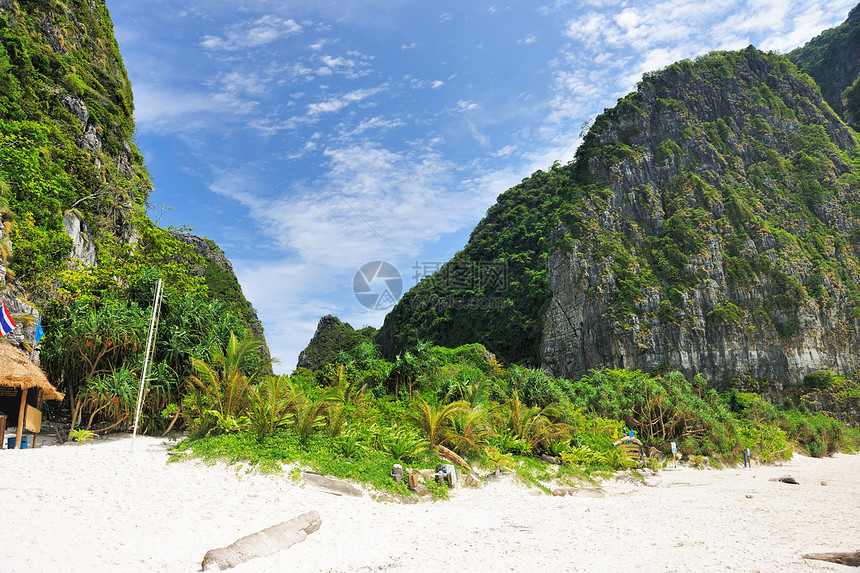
[(263, 543), (843, 558), (453, 458)]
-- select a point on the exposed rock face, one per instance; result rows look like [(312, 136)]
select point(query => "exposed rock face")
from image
[(26, 318), (84, 249), (718, 248), (90, 136)]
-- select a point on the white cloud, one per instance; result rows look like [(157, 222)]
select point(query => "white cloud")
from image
[(335, 104), (374, 203), (238, 82), (376, 123), (506, 151), (264, 30), (437, 84), (355, 65), (465, 105), (482, 138), (172, 110)]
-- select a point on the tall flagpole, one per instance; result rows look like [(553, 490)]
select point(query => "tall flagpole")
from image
[(146, 353)]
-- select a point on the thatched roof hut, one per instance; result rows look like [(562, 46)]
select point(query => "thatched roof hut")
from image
[(19, 374), (17, 371)]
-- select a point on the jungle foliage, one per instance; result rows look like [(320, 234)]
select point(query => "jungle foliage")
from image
[(358, 415), (96, 347), (67, 149)]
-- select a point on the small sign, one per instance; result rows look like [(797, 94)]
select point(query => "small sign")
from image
[(674, 448), (32, 419)]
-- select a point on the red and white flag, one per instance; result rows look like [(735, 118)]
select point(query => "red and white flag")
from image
[(6, 322)]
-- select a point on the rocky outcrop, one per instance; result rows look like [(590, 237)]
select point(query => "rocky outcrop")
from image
[(723, 244), (331, 336), (221, 280), (207, 249), (84, 247), (26, 318), (89, 138)]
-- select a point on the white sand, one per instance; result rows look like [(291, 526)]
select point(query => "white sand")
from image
[(101, 507)]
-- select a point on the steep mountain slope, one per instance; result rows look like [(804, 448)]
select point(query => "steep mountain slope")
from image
[(709, 223), (76, 246), (71, 178), (832, 59), (495, 290), (727, 243)]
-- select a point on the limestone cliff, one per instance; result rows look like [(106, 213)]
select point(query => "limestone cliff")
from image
[(723, 236), (832, 59), (73, 186)]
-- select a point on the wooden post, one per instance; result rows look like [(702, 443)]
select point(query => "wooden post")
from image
[(20, 427), (40, 398)]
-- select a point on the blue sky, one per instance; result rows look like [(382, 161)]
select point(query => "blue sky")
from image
[(310, 138)]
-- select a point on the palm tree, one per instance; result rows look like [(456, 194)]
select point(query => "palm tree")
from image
[(469, 429), (432, 419), (405, 371), (309, 413), (534, 425), (272, 401), (225, 385)]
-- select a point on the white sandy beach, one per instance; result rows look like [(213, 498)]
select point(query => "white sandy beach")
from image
[(71, 508)]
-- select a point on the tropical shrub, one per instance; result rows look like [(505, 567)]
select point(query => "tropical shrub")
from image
[(221, 391)]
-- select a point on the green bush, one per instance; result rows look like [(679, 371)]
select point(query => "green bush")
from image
[(725, 313)]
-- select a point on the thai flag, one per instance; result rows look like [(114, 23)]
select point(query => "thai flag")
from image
[(6, 322)]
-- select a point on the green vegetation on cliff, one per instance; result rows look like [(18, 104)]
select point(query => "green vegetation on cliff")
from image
[(833, 61), (721, 194), (495, 290), (67, 151)]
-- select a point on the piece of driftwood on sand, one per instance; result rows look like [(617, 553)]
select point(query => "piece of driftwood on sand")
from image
[(843, 558), (263, 543), (453, 457)]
